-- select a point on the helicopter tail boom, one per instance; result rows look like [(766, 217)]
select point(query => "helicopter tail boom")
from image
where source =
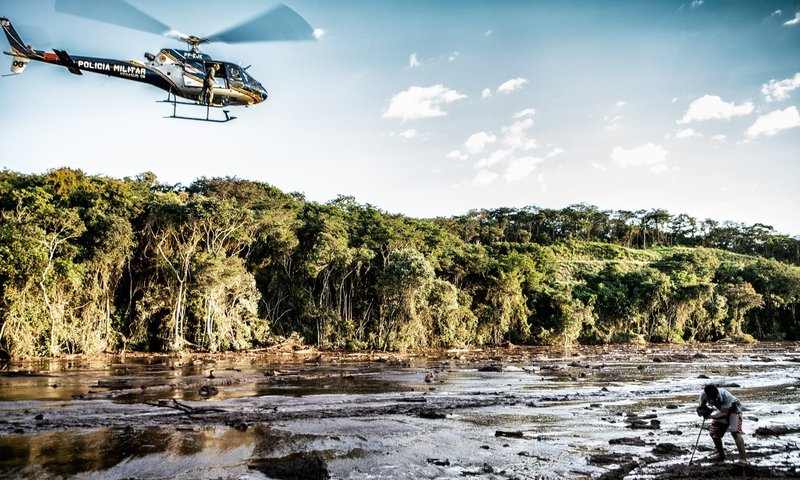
[(18, 47), (22, 53)]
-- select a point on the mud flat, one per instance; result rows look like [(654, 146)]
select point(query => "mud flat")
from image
[(605, 412)]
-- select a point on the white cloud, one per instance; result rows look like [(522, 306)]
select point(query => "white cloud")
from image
[(484, 177), (413, 61), (621, 104), (774, 122), (516, 135), (793, 21), (494, 158), (521, 168), (710, 107), (777, 90), (719, 138), (488, 33), (542, 184), (486, 93), (512, 85), (410, 133), (456, 155), (696, 3), (477, 142), (319, 33), (651, 155), (777, 13), (555, 152), (453, 56), (421, 102), (612, 123), (685, 133), (599, 166), (528, 112)]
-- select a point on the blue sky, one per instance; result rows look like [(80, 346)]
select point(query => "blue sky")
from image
[(432, 108)]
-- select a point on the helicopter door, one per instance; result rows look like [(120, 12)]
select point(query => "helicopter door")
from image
[(193, 74), (220, 78)]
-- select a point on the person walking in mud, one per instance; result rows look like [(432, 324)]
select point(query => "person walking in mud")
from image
[(726, 416)]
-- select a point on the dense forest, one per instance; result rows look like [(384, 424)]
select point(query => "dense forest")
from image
[(92, 264)]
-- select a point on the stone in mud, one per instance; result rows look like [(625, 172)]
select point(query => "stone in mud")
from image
[(609, 458), (238, 424), (668, 449), (777, 430), (725, 470), (620, 472), (632, 441), (298, 466), (491, 368), (431, 415), (208, 390)]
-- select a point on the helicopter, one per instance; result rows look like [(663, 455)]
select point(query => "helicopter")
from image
[(189, 74)]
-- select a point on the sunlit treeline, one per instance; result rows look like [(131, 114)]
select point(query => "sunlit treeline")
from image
[(90, 264)]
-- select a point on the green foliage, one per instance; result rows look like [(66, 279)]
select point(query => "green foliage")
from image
[(91, 264)]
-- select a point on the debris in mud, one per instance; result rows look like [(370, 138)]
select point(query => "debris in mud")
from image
[(298, 466), (439, 463), (515, 434), (633, 441), (777, 430)]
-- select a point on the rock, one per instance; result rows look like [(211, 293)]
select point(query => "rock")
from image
[(39, 417), (439, 463), (703, 376), (432, 415), (668, 449), (297, 466), (208, 390), (609, 458), (619, 473), (238, 424), (672, 407), (429, 378), (515, 434), (674, 432), (491, 368), (604, 389), (777, 430), (632, 441)]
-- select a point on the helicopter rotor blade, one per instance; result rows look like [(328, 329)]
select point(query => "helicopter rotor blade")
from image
[(117, 12), (278, 24)]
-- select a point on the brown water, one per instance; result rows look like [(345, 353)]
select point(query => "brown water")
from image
[(377, 417)]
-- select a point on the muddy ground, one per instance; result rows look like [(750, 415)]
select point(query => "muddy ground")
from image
[(528, 413)]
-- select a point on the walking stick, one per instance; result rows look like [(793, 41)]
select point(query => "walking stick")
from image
[(698, 440)]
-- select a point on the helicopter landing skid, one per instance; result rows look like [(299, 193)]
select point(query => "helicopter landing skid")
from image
[(174, 101)]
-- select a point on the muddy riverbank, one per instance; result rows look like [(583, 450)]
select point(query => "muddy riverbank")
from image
[(613, 412)]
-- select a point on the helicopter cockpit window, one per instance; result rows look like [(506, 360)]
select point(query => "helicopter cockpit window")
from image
[(234, 73)]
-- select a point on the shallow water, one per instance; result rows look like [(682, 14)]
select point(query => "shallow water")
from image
[(377, 417)]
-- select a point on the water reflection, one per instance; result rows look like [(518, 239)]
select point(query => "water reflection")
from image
[(124, 452)]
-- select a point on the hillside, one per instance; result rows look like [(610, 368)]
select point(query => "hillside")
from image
[(90, 264)]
